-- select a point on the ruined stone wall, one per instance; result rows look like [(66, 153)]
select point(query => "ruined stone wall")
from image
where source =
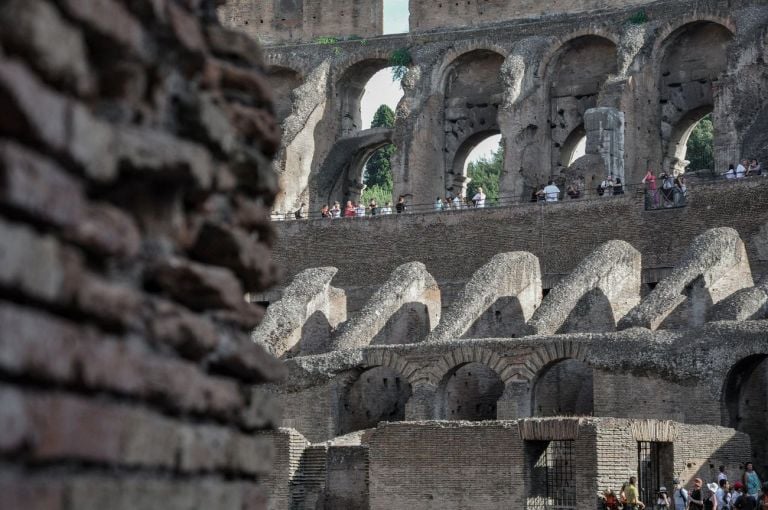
[(135, 140), (275, 21), (437, 15), (560, 235)]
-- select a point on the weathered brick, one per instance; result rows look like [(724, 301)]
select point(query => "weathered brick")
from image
[(107, 230), (36, 265), (191, 335), (37, 31), (112, 302)]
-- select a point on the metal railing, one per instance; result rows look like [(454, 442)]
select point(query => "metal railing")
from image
[(660, 198)]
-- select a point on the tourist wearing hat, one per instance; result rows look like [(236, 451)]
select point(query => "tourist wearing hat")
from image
[(662, 500), (742, 501), (710, 500), (679, 495)]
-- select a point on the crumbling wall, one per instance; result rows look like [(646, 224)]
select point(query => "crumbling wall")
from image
[(134, 159)]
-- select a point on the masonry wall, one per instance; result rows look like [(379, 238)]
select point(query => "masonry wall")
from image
[(347, 478), (127, 242), (453, 245), (435, 15), (276, 21)]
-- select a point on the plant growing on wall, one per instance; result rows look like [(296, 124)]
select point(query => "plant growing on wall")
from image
[(400, 59), (326, 40), (638, 18)]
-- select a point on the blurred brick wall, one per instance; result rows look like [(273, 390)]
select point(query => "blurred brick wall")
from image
[(135, 140)]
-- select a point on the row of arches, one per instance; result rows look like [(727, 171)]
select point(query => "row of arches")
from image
[(470, 89), (564, 387)]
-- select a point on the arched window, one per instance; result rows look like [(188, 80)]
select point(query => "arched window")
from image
[(563, 388), (483, 166), (379, 394), (745, 403), (470, 392)]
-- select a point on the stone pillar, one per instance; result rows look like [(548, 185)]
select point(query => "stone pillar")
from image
[(605, 137), (422, 404), (515, 402)]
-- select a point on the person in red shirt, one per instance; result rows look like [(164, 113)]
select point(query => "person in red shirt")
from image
[(349, 210), (650, 181)]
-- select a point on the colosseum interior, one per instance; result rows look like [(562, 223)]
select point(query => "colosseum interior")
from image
[(173, 337)]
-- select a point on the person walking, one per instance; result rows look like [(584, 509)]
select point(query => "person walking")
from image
[(723, 491), (750, 480), (696, 498), (679, 495), (632, 495), (710, 500), (742, 501)]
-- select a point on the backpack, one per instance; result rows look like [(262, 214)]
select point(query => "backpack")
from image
[(683, 496)]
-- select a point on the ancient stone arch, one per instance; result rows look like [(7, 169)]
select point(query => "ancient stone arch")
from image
[(501, 296), (404, 310), (387, 358), (463, 355), (595, 296)]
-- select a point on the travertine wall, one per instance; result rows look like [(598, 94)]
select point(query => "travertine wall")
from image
[(275, 21), (135, 140)]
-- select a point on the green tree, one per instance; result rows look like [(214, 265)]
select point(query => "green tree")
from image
[(486, 173), (700, 151), (378, 170)]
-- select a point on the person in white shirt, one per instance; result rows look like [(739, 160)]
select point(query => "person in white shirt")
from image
[(479, 198), (387, 209), (360, 210), (731, 173), (679, 496), (456, 202), (551, 192), (438, 204), (741, 170)]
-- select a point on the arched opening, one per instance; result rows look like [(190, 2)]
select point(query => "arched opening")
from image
[(745, 404), (379, 394), (380, 90), (343, 171), (396, 17), (574, 146), (377, 179), (576, 75), (362, 89), (700, 146), (470, 392), (473, 91), (480, 160), (563, 388), (695, 56), (283, 82)]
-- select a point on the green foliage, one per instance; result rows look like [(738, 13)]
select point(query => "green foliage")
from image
[(700, 150), (638, 18), (400, 59), (486, 173), (380, 194), (326, 40), (384, 117)]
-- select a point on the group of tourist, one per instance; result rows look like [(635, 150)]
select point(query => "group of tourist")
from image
[(360, 210), (455, 202), (744, 494), (746, 168), (672, 192)]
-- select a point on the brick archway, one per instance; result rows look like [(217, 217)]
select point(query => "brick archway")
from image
[(550, 353), (464, 355), (389, 359)]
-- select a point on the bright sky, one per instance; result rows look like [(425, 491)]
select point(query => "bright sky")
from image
[(382, 90)]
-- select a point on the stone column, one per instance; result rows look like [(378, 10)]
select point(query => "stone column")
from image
[(422, 404), (515, 402), (605, 137)]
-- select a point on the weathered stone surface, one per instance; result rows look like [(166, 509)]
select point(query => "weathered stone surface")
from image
[(714, 267), (595, 296), (410, 285), (309, 297), (507, 277)]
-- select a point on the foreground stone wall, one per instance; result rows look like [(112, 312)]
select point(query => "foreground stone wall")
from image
[(453, 245), (135, 140)]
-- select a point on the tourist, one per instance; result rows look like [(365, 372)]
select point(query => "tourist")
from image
[(446, 203), (456, 202), (741, 169), (750, 480), (573, 191), (606, 186), (349, 210), (723, 491), (618, 187), (740, 500), (695, 497), (373, 208), (731, 173), (721, 474), (438, 204), (632, 495), (479, 198), (360, 210), (551, 192), (335, 210), (301, 212), (400, 206), (755, 168), (650, 189), (762, 504), (609, 499), (325, 212), (710, 500), (387, 209), (662, 499), (679, 495)]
